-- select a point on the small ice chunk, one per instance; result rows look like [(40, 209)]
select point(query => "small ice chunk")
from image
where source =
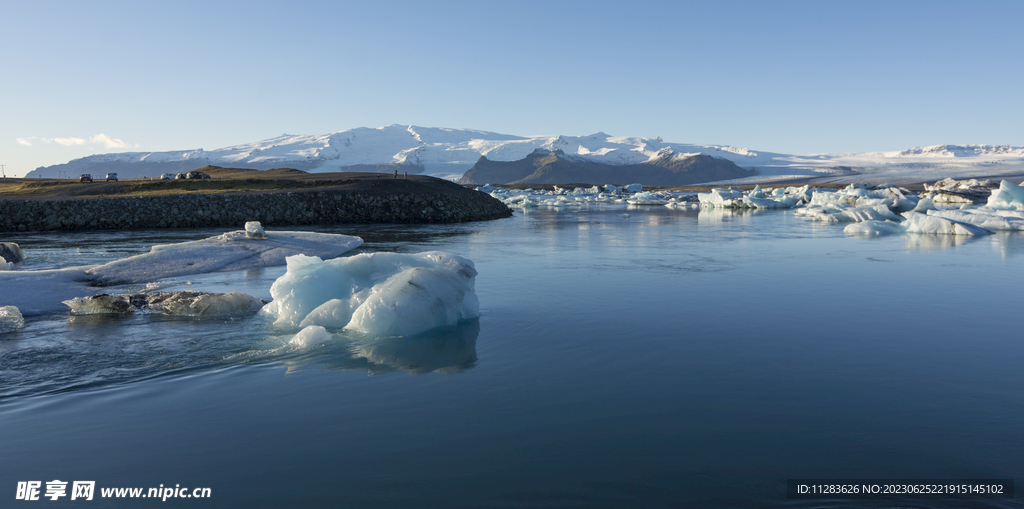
[(11, 253), (10, 319), (312, 335), (634, 188), (254, 230)]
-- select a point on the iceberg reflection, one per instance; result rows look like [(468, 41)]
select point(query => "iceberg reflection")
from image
[(450, 350)]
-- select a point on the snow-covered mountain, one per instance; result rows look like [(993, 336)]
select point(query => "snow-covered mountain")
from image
[(450, 152)]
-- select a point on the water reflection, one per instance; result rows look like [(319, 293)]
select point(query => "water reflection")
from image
[(446, 351), (719, 215), (929, 242)]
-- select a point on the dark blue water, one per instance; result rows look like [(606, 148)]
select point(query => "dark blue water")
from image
[(671, 359)]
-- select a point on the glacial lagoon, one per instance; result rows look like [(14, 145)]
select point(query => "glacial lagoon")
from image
[(624, 357)]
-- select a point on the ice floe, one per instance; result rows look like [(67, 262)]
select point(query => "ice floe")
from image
[(42, 291), (10, 319), (185, 303), (227, 252), (375, 293)]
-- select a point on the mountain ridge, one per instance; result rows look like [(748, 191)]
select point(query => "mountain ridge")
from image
[(555, 167), (449, 153)]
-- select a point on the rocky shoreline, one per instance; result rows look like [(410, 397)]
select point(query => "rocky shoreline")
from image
[(385, 201)]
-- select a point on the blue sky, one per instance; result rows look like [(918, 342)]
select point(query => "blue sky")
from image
[(82, 78)]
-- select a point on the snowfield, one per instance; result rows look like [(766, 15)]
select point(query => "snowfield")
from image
[(448, 153)]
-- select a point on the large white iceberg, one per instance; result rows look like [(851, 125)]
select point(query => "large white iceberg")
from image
[(375, 293), (226, 252)]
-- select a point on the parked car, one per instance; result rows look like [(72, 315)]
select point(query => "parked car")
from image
[(180, 176), (196, 175), (167, 176), (85, 177), (112, 176)]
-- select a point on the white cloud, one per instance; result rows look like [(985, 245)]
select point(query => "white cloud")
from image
[(100, 139), (109, 142)]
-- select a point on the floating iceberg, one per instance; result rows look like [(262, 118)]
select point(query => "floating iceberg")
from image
[(873, 227), (10, 319), (843, 213), (226, 252), (757, 198), (921, 223), (916, 223), (979, 218), (187, 303), (376, 293), (1008, 196), (949, 191), (645, 198)]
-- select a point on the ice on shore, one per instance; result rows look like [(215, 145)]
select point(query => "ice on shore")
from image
[(186, 303), (227, 252), (10, 319), (376, 293)]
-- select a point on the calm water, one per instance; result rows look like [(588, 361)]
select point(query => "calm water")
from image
[(668, 359)]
